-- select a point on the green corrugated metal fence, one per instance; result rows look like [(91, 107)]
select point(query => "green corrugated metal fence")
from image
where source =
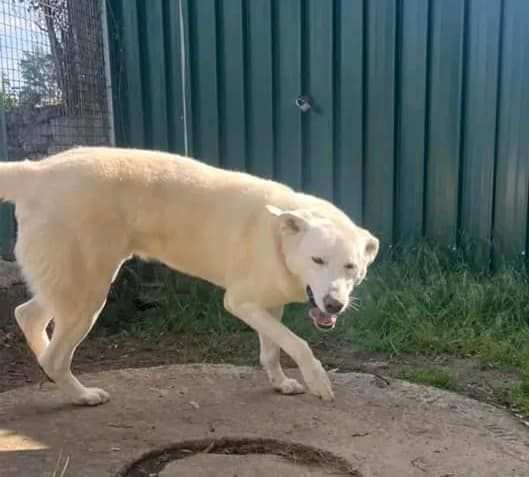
[(419, 123)]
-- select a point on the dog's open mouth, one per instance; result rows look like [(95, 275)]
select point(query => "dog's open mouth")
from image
[(322, 321)]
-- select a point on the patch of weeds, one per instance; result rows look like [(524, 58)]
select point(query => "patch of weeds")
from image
[(433, 301), (167, 303), (520, 394), (437, 377)]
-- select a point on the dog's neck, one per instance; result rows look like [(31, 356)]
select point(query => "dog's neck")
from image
[(288, 282)]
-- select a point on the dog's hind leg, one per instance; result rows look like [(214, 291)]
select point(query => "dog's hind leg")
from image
[(33, 318), (71, 284), (68, 333), (75, 301), (269, 357)]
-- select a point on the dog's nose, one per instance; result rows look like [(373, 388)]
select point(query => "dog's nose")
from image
[(332, 305)]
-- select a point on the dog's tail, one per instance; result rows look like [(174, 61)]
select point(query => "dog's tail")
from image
[(15, 178)]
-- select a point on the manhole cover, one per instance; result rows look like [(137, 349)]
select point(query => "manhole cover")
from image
[(239, 457)]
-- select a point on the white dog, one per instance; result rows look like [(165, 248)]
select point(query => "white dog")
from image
[(83, 212)]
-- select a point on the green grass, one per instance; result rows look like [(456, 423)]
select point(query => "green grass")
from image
[(431, 301), (437, 377), (422, 301), (520, 394)]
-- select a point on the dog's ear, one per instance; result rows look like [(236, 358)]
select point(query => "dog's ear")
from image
[(290, 221), (371, 248)]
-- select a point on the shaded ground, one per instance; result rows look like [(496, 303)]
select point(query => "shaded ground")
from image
[(384, 428), (240, 457)]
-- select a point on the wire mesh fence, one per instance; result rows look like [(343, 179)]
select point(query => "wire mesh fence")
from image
[(53, 87)]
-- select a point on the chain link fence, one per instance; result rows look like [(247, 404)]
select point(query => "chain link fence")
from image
[(53, 84)]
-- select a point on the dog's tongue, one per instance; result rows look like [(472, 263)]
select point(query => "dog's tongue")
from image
[(321, 319)]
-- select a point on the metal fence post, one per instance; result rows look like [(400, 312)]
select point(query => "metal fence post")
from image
[(7, 220)]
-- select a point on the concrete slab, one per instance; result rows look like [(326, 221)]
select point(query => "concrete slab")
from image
[(387, 430)]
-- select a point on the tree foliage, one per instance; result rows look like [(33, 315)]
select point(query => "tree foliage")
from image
[(74, 32), (8, 99), (39, 76)]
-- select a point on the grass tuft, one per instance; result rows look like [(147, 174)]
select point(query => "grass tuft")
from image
[(437, 377), (432, 301), (520, 394)]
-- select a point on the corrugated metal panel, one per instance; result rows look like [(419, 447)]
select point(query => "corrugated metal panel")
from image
[(232, 85), (411, 117), (479, 124), (349, 111), (204, 80), (288, 68), (155, 74), (132, 65), (420, 109), (510, 214), (259, 88), (318, 168), (444, 119), (379, 117), (172, 53)]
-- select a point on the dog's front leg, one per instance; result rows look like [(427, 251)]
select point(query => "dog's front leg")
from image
[(266, 324), (269, 357)]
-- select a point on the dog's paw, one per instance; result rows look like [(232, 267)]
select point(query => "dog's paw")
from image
[(318, 382), (290, 386), (92, 397)]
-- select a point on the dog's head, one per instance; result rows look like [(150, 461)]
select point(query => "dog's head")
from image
[(329, 257)]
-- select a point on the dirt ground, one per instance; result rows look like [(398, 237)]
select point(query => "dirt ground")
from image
[(99, 353)]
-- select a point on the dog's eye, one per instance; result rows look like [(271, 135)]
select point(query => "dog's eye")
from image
[(318, 260), (350, 266)]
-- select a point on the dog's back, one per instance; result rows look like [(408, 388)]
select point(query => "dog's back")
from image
[(152, 204)]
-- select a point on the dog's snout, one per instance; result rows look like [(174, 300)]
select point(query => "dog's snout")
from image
[(332, 305)]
